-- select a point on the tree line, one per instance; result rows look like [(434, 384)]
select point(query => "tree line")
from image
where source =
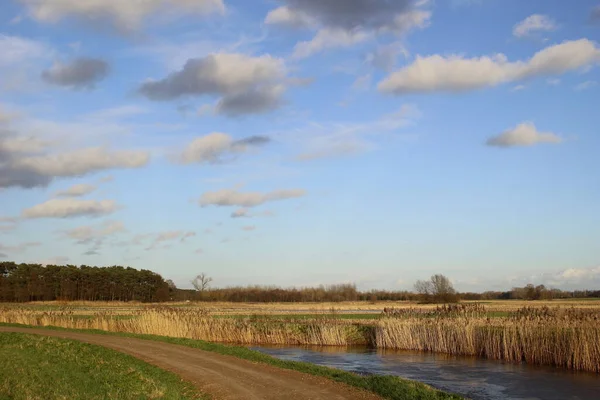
[(35, 282)]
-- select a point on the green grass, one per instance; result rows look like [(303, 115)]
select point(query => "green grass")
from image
[(39, 367), (388, 387)]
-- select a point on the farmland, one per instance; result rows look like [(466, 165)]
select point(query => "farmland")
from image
[(562, 333)]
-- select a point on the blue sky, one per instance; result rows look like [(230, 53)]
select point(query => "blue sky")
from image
[(304, 142)]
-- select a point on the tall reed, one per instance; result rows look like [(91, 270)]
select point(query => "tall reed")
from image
[(567, 338)]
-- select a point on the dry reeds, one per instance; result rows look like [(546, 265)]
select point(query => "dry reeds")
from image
[(563, 337)]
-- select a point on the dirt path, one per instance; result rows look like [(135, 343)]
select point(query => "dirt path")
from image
[(223, 377)]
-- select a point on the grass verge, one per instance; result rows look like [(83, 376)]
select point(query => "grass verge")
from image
[(388, 387), (39, 367)]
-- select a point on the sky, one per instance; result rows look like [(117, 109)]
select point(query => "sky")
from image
[(304, 142)]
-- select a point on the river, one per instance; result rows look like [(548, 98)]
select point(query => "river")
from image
[(472, 377)]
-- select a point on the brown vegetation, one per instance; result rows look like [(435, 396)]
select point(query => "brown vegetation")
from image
[(564, 337)]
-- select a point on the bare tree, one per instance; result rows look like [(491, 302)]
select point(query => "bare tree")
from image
[(201, 282), (438, 289)]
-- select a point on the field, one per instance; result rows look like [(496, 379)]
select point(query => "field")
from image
[(562, 333), (50, 368)]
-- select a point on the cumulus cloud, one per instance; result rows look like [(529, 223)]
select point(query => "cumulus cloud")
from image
[(82, 161), (77, 190), (533, 24), (230, 197), (125, 15), (457, 73), (94, 235), (28, 162), (81, 73), (343, 24), (66, 208), (524, 134), (215, 146), (255, 88)]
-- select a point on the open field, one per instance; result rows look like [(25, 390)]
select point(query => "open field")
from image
[(37, 367), (563, 333)]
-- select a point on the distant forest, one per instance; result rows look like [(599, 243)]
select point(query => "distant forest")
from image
[(35, 282)]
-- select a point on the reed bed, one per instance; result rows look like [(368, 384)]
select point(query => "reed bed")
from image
[(199, 324), (567, 338), (559, 336)]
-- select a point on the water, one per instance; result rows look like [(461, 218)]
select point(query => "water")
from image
[(471, 377)]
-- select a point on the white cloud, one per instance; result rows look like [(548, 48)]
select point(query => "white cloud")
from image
[(125, 15), (20, 62), (335, 139), (286, 16), (169, 236), (66, 208), (30, 155), (344, 24), (524, 134), (249, 228), (578, 275), (96, 235), (327, 39), (230, 197), (214, 146), (58, 260), (456, 73), (256, 88), (82, 161), (15, 50), (585, 85), (77, 190), (553, 81), (534, 23)]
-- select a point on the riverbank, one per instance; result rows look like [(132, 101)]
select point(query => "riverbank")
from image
[(237, 372), (566, 337)]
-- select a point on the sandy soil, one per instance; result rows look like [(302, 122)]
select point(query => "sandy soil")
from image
[(223, 377)]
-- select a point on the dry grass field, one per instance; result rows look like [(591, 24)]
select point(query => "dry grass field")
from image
[(563, 333)]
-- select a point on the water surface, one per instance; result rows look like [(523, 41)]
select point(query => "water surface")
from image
[(472, 377)]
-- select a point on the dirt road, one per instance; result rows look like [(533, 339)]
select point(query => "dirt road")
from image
[(223, 377)]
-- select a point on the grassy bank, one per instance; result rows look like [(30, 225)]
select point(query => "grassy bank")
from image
[(37, 367), (388, 387)]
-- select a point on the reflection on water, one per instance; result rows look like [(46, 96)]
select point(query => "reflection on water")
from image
[(472, 377)]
